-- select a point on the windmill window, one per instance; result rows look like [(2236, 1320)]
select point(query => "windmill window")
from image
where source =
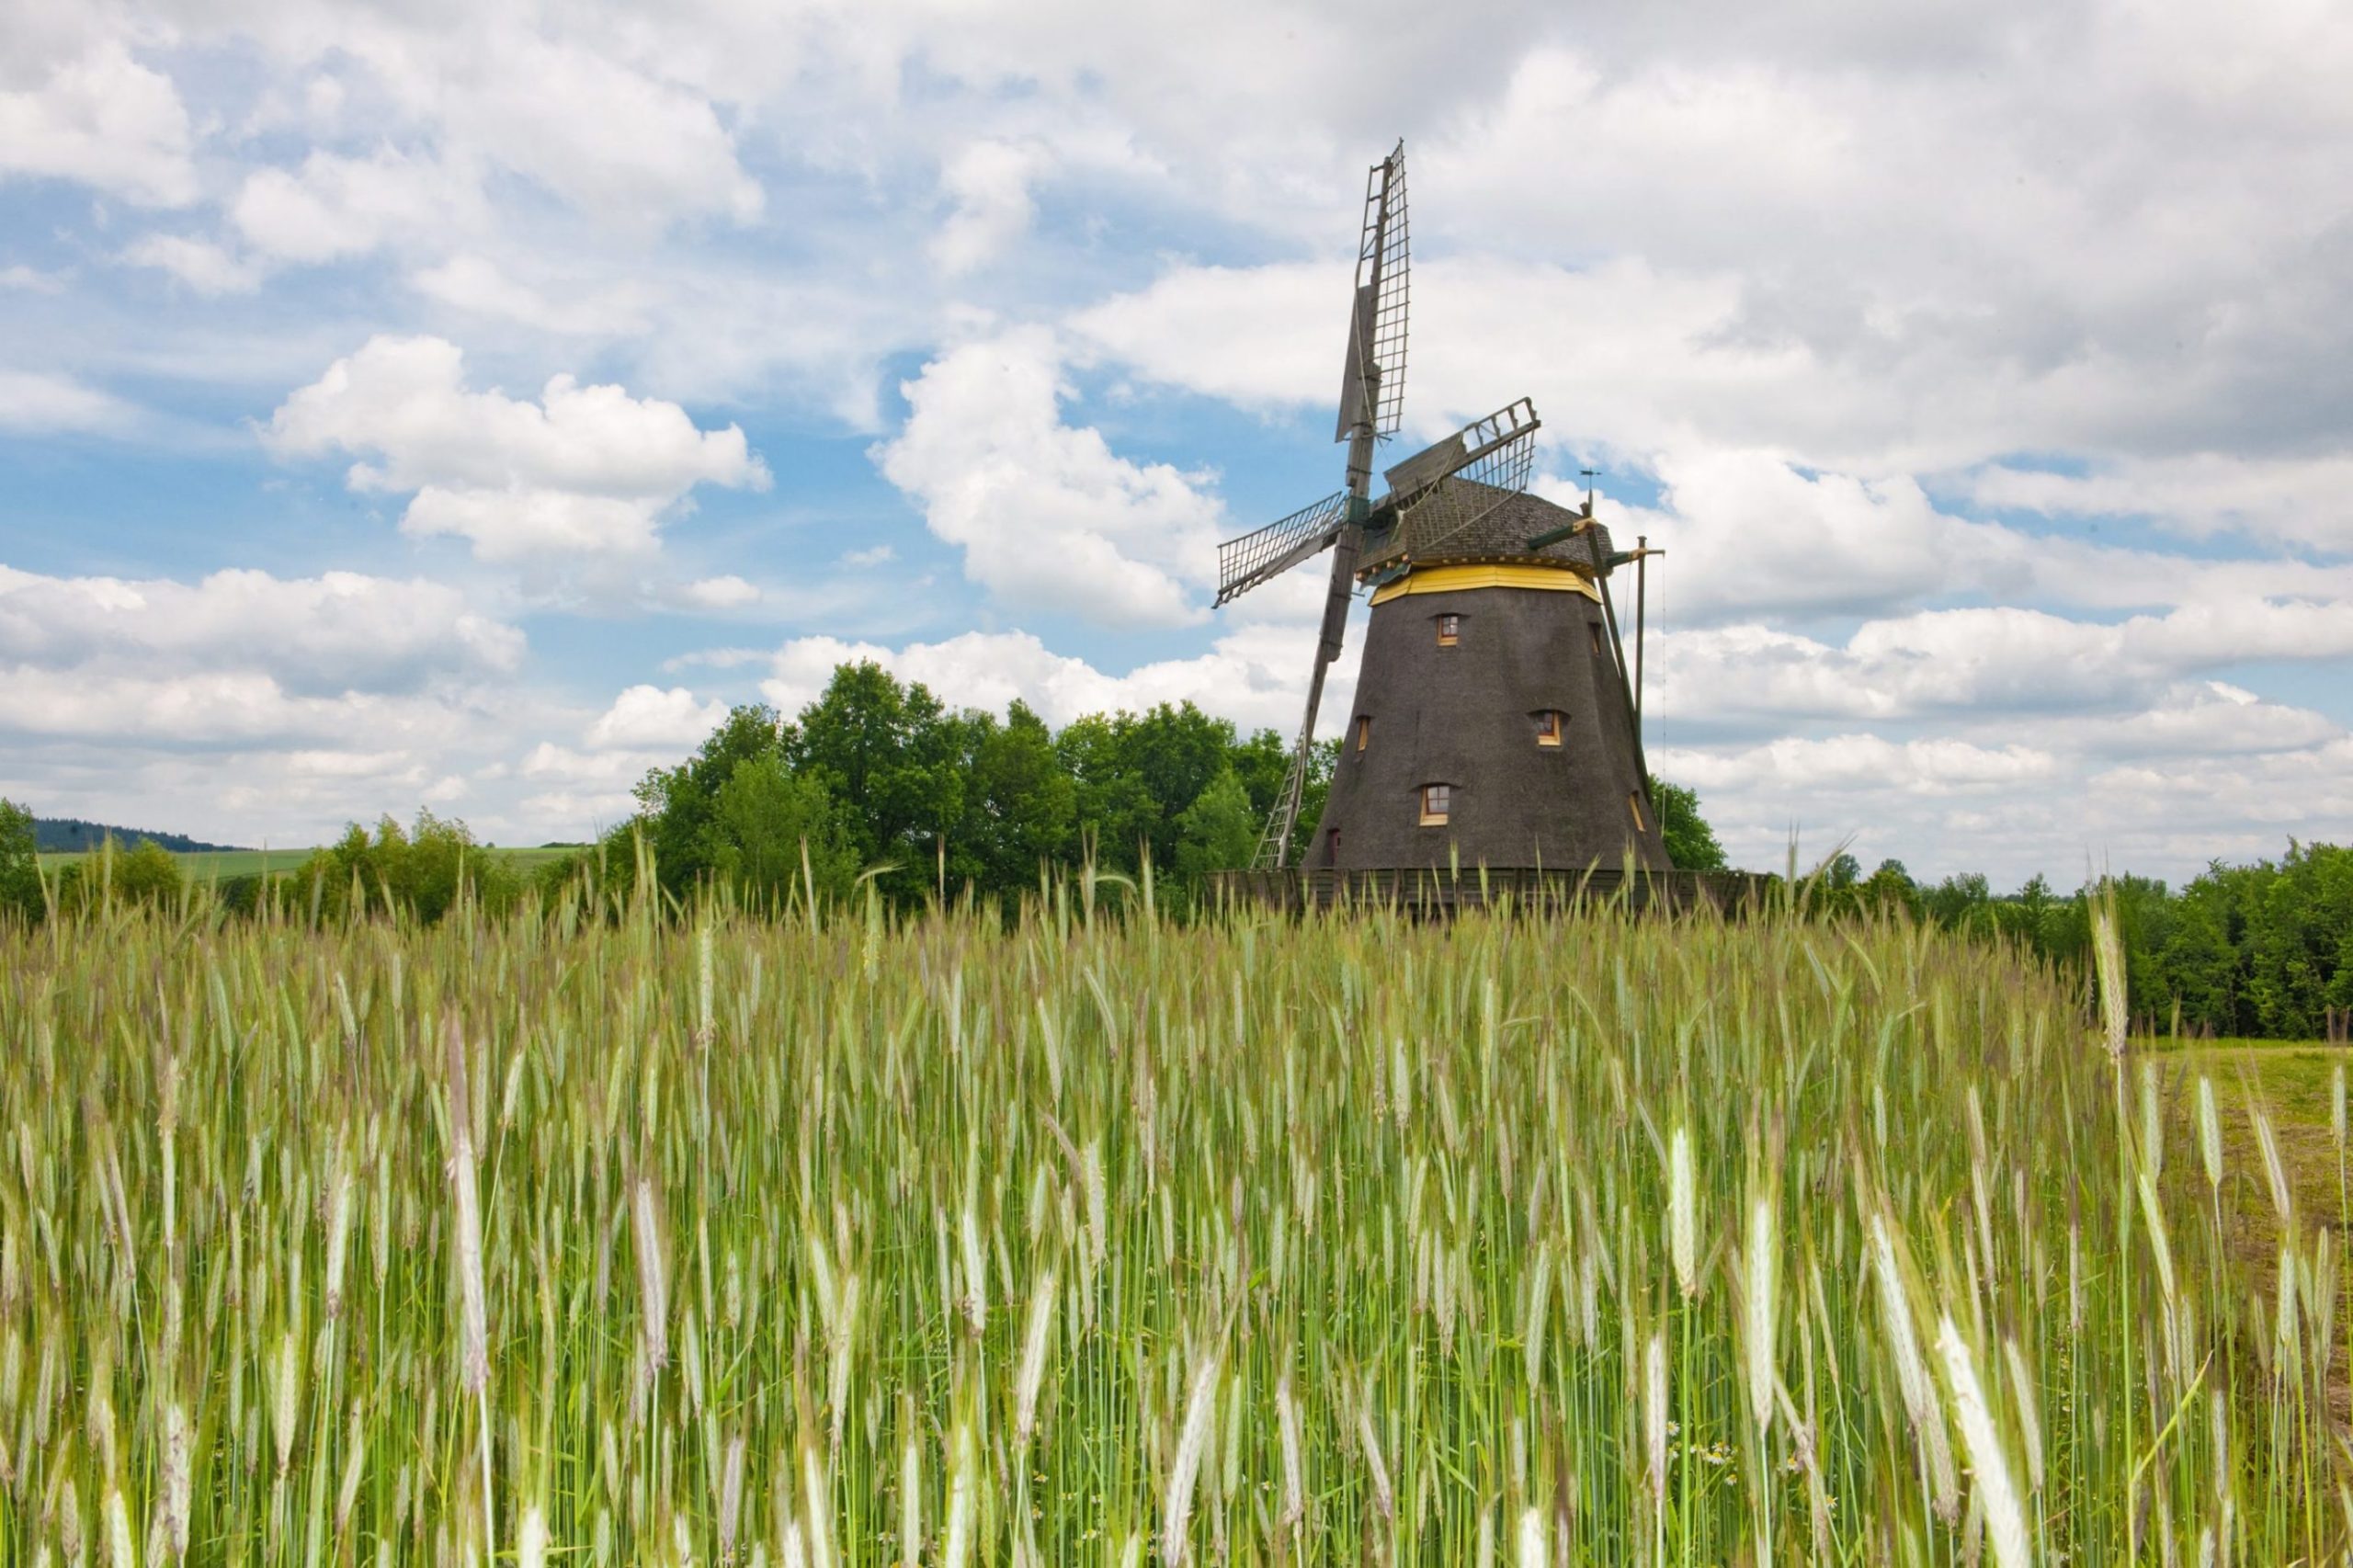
[(1548, 726), (1449, 630), (1437, 804), (1364, 731), (1592, 635), (1635, 805)]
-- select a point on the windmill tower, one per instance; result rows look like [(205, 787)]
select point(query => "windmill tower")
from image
[(1493, 722)]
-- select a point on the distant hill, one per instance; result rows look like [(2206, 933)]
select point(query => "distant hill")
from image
[(69, 834)]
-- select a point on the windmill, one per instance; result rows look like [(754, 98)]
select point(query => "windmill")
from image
[(1494, 673)]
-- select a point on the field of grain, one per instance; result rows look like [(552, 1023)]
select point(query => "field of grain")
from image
[(648, 1236)]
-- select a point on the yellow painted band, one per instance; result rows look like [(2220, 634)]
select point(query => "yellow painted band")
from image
[(1490, 574)]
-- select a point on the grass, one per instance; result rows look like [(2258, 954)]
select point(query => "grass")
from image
[(206, 865), (606, 1236)]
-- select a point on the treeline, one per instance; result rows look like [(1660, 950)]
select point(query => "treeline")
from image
[(877, 782), (2262, 950), (72, 836), (880, 780)]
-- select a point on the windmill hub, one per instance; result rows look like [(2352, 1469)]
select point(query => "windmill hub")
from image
[(1494, 722)]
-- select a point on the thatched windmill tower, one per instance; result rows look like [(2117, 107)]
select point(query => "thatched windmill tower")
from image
[(1495, 722)]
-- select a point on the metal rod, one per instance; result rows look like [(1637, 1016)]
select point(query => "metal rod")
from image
[(1618, 649), (1641, 606)]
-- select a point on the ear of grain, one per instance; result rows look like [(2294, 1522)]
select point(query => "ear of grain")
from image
[(1762, 1303), (1184, 1469), (1683, 1211), (2004, 1515), (2210, 1133)]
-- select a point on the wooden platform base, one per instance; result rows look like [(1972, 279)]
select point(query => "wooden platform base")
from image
[(1424, 889)]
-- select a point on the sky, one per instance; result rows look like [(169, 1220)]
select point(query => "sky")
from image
[(460, 406)]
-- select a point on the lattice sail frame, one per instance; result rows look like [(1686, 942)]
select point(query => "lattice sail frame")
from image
[(1383, 291), (1447, 486), (1244, 562), (1456, 502)]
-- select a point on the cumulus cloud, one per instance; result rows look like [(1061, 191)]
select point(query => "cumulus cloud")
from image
[(1254, 676), (251, 708), (1991, 660), (989, 183), (1046, 516), (585, 470), (333, 205), (337, 632), (649, 716), (105, 119), (729, 591)]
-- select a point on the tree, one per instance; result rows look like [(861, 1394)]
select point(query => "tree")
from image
[(420, 871), (1691, 843), (1218, 831), (19, 862), (894, 759), (1961, 902), (1020, 806), (763, 820), (1891, 887), (675, 804), (149, 873)]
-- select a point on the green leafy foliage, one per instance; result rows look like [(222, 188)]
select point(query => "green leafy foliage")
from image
[(19, 862), (2262, 950), (1690, 843), (422, 871)]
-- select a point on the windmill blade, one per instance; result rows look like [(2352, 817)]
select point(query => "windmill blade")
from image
[(1474, 444), (1373, 384), (1242, 564), (1450, 488)]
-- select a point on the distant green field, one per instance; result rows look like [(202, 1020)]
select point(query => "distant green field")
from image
[(220, 864)]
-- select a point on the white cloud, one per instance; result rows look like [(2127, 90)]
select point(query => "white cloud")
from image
[(1253, 676), (335, 206), (33, 401), (601, 132), (989, 183), (1046, 516), (1995, 661), (482, 287), (874, 555), (648, 716), (585, 470), (1863, 762), (104, 119), (30, 280), (202, 264), (2299, 501), (729, 591), (336, 631)]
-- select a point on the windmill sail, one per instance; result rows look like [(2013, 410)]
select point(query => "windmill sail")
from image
[(1373, 389), (1242, 564), (1441, 492)]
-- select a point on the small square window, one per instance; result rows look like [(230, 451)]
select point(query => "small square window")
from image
[(1438, 801), (1547, 727), (1364, 731), (1449, 630), (1635, 805)]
